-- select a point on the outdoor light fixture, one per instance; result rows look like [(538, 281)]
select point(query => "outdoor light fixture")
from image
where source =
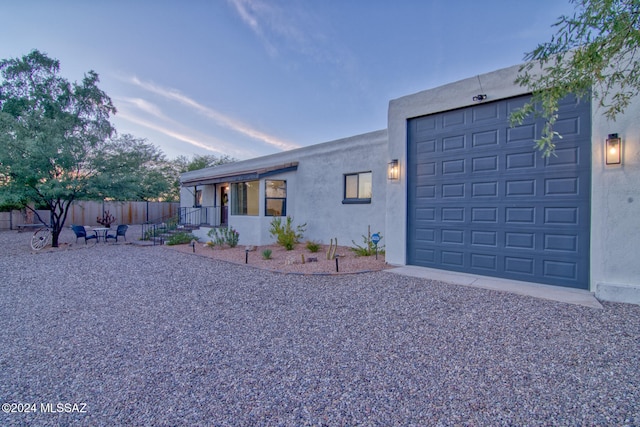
[(393, 170), (612, 149)]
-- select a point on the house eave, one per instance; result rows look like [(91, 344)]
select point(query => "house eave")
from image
[(239, 176)]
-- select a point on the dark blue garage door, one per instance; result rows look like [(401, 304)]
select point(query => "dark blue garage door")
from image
[(481, 200)]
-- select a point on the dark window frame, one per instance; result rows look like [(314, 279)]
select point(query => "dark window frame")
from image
[(356, 200), (267, 198), (241, 207)]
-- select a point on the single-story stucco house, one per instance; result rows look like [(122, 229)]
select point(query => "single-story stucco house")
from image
[(451, 185)]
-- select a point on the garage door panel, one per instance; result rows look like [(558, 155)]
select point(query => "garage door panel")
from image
[(426, 147), (520, 240), (520, 188), (428, 256), (426, 169), (452, 236), (453, 118), (426, 235), (452, 258), (428, 214), (483, 139), (452, 214), (486, 112), (521, 133), (425, 124), (456, 142), (562, 186), (561, 216), (484, 164), (560, 269), (568, 127), (519, 265), (425, 191), (481, 199), (484, 189), (456, 166), (484, 239), (519, 161), (564, 157), (484, 215), (486, 262), (455, 190), (565, 243)]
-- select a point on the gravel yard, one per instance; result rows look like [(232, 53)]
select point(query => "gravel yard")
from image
[(149, 336)]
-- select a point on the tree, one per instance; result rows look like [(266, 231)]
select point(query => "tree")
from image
[(593, 53), (185, 164), (50, 133), (130, 168)]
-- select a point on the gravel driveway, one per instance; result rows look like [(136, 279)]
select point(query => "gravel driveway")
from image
[(124, 335)]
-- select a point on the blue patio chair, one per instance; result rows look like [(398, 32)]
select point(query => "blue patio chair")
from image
[(120, 231), (81, 232)]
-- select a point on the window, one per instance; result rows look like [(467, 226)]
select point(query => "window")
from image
[(275, 202), (357, 188), (245, 198)]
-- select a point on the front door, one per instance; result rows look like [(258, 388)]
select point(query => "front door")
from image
[(224, 202)]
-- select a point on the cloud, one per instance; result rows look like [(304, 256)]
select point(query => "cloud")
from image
[(264, 20), (219, 118), (145, 106), (298, 30), (214, 146), (292, 28)]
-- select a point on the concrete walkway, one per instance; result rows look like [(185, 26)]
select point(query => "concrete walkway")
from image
[(554, 293)]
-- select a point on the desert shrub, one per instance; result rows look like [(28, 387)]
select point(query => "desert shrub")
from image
[(224, 236), (181, 239), (313, 246), (369, 247), (285, 234), (266, 254)]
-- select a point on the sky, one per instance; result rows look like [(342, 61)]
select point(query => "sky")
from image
[(247, 78)]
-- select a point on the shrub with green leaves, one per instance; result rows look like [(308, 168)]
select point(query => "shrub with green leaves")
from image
[(369, 247), (313, 246), (181, 239), (286, 235), (224, 236), (266, 254)]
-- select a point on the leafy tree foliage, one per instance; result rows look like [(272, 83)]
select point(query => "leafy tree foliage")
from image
[(593, 53), (57, 145), (130, 168), (50, 132), (185, 164)]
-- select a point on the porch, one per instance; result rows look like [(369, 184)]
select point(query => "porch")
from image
[(205, 216)]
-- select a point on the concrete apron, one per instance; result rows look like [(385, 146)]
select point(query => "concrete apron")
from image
[(548, 292)]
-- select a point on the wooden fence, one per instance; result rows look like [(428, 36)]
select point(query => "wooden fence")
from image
[(86, 213)]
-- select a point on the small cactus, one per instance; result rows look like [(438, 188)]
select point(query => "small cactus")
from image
[(331, 253)]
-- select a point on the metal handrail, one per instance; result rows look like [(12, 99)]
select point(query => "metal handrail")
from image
[(202, 215), (153, 230), (197, 216)]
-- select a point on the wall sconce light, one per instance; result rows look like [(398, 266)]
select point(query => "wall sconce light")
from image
[(393, 170), (613, 149)]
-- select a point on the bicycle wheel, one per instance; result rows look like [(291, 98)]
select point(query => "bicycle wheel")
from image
[(40, 239)]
